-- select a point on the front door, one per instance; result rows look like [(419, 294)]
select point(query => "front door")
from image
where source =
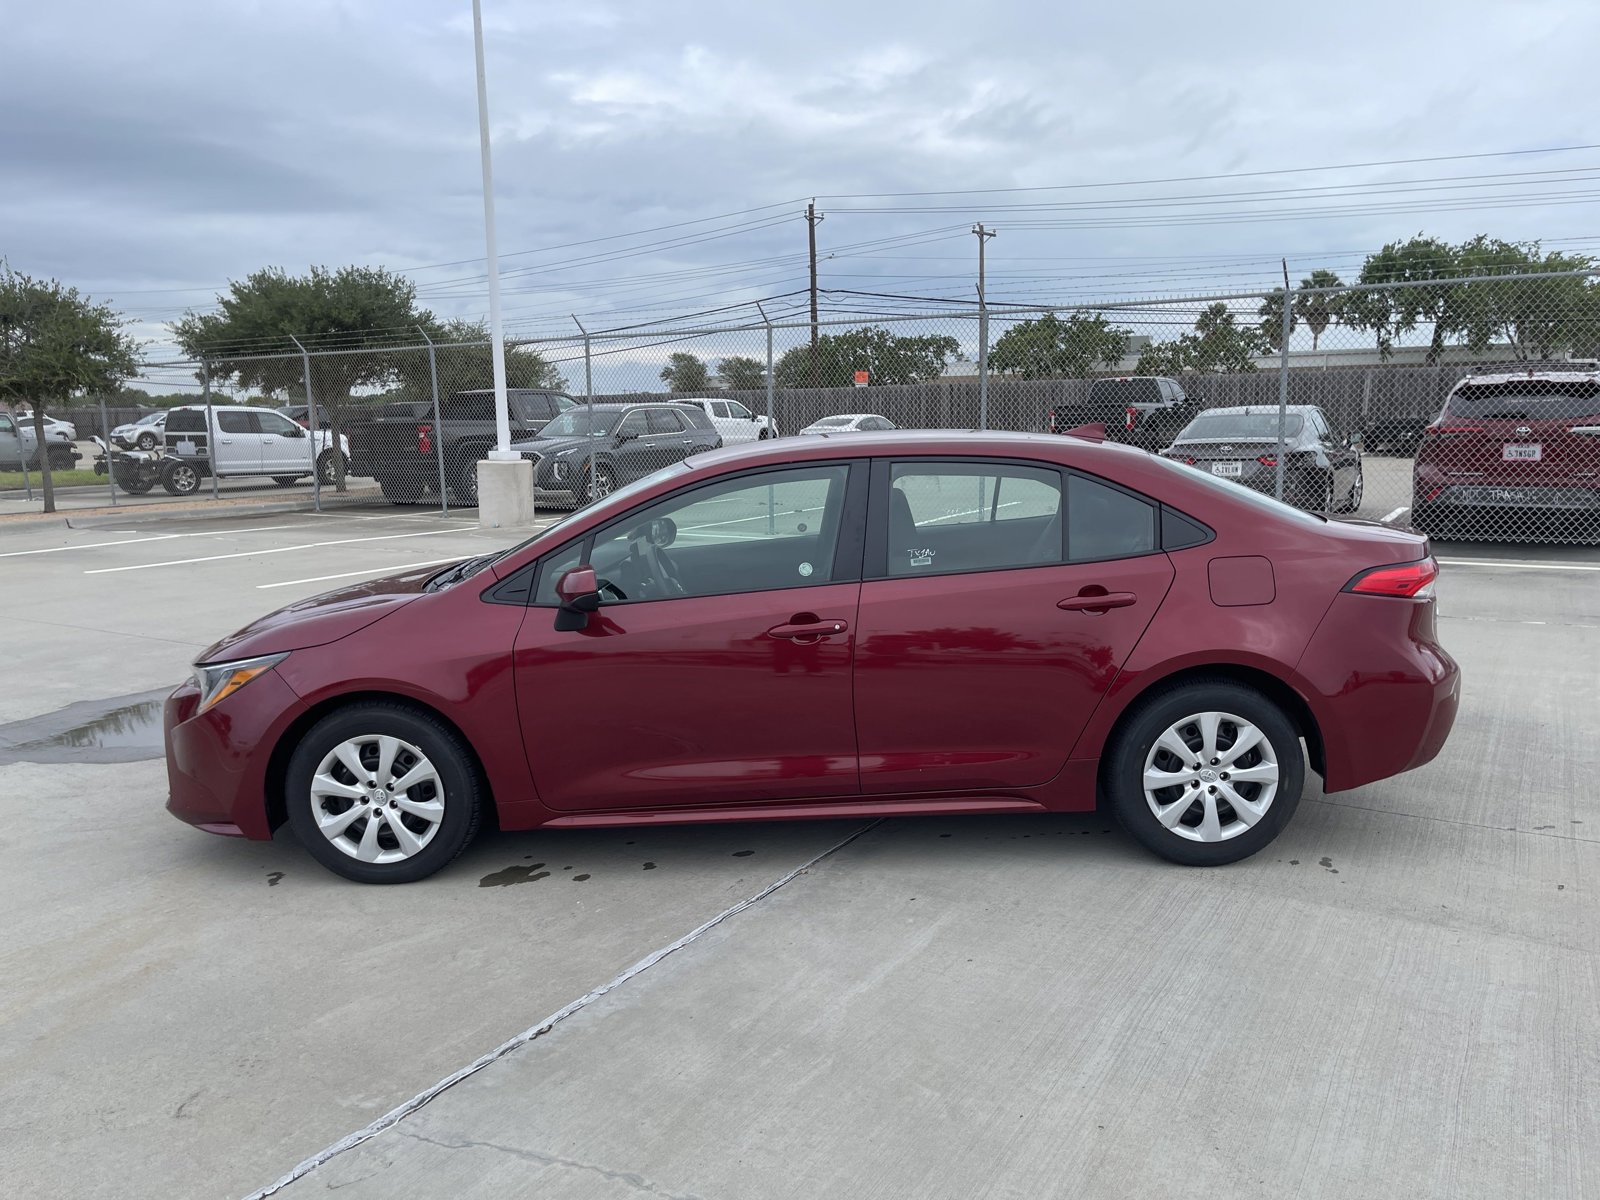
[(718, 669), (982, 653), (285, 445)]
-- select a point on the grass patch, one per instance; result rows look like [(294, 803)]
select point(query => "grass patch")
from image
[(12, 480)]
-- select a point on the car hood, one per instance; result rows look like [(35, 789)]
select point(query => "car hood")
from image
[(322, 619), (546, 447)]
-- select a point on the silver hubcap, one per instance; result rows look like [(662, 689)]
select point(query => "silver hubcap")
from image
[(185, 478), (1210, 777), (377, 798), (601, 488)]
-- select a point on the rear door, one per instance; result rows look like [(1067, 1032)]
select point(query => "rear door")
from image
[(238, 442), (982, 650)]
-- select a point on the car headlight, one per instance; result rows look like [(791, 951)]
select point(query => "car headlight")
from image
[(217, 681)]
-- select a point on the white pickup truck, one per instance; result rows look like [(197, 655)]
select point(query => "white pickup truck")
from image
[(247, 441)]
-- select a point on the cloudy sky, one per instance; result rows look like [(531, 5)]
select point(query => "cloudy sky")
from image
[(153, 151)]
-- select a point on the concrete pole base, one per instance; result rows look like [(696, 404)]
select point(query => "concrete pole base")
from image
[(505, 493)]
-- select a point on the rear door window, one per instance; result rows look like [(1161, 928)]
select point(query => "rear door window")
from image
[(946, 517), (665, 420), (1107, 522), (237, 422)]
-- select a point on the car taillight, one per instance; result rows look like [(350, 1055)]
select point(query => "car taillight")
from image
[(1190, 461), (1266, 460), (1131, 414), (425, 438), (1435, 433), (1412, 580)]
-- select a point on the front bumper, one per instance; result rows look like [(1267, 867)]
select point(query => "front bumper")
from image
[(217, 761)]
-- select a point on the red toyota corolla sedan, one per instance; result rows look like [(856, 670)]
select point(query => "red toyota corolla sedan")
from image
[(883, 624)]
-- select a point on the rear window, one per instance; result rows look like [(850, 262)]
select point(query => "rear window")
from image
[(833, 422), (696, 416), (1120, 393), (186, 420), (1220, 426), (1525, 400)]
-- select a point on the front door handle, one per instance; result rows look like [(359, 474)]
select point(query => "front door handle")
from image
[(808, 631), (1098, 600)]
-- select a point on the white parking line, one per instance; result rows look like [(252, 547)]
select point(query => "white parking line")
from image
[(154, 537), (1519, 563), (183, 562), (1399, 512), (390, 570)]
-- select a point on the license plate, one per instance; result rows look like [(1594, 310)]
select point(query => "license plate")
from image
[(1522, 452), (186, 448), (1230, 470)]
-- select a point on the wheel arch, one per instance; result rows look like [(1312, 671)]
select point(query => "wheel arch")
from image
[(1276, 689), (278, 762)]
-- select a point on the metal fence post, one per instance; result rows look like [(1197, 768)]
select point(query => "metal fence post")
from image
[(438, 425), (772, 516), (1283, 385), (211, 425), (105, 438), (983, 361), (311, 421), (588, 402)]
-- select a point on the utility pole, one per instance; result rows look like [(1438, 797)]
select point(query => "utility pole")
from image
[(983, 331), (813, 219)]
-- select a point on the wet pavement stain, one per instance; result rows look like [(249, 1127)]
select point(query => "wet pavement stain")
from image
[(274, 878), (579, 878), (743, 853), (121, 729), (649, 866), (516, 873), (1327, 863)]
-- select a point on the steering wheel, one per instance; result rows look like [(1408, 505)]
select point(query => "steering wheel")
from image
[(605, 585), (670, 579)]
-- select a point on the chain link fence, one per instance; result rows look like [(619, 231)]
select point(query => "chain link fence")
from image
[(1467, 407)]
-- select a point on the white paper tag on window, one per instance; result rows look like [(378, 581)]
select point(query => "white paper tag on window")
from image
[(921, 558)]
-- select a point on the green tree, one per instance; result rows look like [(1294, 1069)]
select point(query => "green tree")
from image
[(1427, 265), (56, 344), (1163, 358), (1271, 314), (1050, 348), (1537, 318), (251, 337), (741, 374), (1219, 345), (685, 373), (886, 357), (1318, 308)]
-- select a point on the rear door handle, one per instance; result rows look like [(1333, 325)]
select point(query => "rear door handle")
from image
[(809, 631), (1097, 603)]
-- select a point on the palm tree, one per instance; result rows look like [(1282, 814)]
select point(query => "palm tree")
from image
[(1271, 314), (1320, 310)]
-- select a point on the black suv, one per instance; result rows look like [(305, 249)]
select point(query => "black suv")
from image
[(1141, 410), (590, 450)]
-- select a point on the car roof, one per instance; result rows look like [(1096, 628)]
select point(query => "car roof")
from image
[(1505, 377), (1256, 410), (847, 417)]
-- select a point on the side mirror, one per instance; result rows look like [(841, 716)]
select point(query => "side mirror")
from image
[(1353, 440), (579, 593)]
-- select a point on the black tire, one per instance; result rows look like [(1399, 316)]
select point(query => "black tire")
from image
[(180, 479), (451, 758), (147, 441), (600, 485), (287, 480), (464, 485), (328, 467), (1358, 489), (764, 434), (397, 492), (1135, 742), (61, 460), (133, 484)]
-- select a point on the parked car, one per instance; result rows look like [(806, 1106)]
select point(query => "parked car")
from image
[(732, 420), (19, 443), (1321, 472), (589, 451), (248, 442), (401, 445), (143, 434), (850, 423), (300, 414), (1141, 410), (901, 624), (53, 425), (1507, 446)]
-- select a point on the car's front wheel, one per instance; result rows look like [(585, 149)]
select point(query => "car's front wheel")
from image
[(383, 793), (1205, 773), (180, 479)]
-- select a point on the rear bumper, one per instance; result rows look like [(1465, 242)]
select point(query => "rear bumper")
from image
[(1487, 495), (217, 761), (1386, 691)]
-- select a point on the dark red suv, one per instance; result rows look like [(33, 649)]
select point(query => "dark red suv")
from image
[(885, 624), (1508, 447)]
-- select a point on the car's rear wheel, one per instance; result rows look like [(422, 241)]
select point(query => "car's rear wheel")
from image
[(1205, 773), (1357, 492), (383, 793), (329, 466), (600, 485), (180, 479)]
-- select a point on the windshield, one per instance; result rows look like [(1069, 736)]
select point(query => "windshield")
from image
[(151, 419), (1525, 402), (575, 423), (833, 422), (1211, 427)]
